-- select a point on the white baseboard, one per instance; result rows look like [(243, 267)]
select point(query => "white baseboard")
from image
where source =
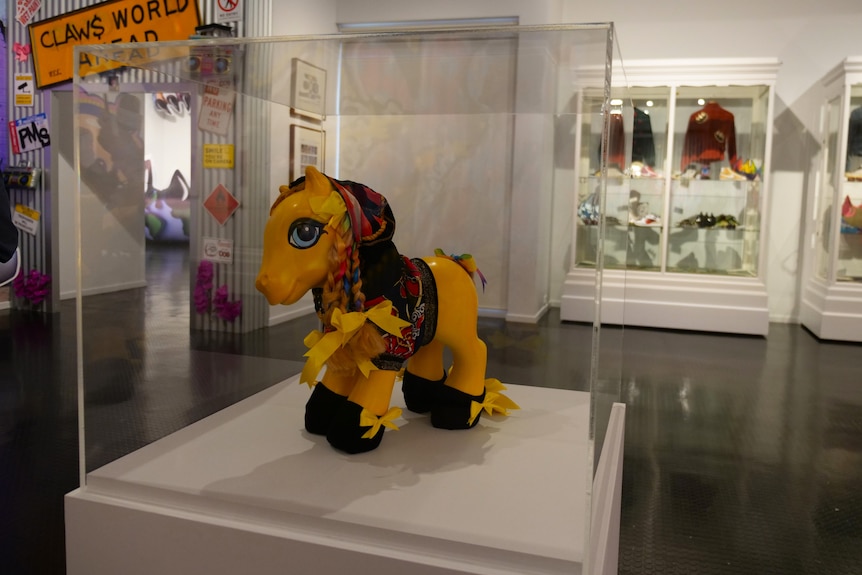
[(287, 313), (527, 318), (493, 313), (106, 289)]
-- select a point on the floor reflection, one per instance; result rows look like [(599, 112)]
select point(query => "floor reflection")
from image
[(743, 454)]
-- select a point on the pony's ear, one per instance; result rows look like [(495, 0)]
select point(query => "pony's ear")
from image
[(317, 183)]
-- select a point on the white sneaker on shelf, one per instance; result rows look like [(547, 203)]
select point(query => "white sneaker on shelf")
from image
[(728, 174), (648, 221), (689, 174)]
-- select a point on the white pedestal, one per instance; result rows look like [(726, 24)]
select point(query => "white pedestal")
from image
[(832, 311), (675, 301), (248, 490)]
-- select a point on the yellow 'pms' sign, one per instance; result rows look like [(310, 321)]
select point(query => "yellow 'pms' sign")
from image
[(53, 40)]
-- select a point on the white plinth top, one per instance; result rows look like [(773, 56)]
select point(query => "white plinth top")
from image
[(511, 485)]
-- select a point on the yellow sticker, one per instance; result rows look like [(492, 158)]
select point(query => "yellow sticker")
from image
[(29, 212), (218, 155)]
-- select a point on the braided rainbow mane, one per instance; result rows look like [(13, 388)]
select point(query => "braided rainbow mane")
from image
[(342, 289)]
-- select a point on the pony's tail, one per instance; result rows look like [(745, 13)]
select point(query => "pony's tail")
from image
[(467, 262)]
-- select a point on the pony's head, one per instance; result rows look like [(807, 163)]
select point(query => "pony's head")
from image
[(312, 239)]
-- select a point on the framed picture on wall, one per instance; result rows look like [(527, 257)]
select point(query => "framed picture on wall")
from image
[(307, 147), (308, 89)]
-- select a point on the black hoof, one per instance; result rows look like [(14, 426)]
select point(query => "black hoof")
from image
[(321, 408), (453, 409), (420, 394), (345, 433)]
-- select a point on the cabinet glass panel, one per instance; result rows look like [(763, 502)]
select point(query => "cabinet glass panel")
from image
[(644, 206), (634, 205), (719, 147), (589, 184), (850, 239), (649, 132), (828, 186), (589, 169)]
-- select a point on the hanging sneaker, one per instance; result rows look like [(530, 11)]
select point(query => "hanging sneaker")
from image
[(161, 103), (186, 101), (173, 104)]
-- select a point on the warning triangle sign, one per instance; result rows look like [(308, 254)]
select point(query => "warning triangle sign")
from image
[(221, 204)]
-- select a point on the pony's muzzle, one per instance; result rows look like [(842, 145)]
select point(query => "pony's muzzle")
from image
[(261, 284)]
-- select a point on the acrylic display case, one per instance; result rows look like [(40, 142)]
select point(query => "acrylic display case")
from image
[(194, 456), (832, 296), (687, 178)]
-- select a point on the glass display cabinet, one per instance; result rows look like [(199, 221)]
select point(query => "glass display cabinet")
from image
[(192, 426), (832, 296), (686, 186)]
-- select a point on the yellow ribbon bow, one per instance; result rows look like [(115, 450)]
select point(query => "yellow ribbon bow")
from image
[(495, 401), (331, 205), (366, 418), (346, 325)]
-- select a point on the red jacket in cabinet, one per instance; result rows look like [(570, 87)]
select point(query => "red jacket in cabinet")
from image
[(710, 132)]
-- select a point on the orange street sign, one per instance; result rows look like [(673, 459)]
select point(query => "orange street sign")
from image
[(53, 40), (221, 204)]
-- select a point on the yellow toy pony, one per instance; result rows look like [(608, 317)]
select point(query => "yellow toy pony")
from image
[(378, 308)]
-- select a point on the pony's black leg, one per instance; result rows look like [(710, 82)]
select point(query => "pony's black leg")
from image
[(321, 408), (424, 378), (420, 394)]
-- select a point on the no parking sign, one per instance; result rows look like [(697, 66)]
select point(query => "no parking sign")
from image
[(229, 11)]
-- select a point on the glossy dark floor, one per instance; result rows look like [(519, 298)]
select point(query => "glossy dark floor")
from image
[(743, 455)]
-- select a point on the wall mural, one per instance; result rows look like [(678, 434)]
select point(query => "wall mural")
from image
[(167, 209)]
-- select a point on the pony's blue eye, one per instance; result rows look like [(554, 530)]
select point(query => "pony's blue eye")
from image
[(304, 233)]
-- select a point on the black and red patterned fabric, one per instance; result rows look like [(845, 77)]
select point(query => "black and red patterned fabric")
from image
[(411, 288), (414, 298)]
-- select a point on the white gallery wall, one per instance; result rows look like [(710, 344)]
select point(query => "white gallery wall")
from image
[(461, 201), (808, 38), (292, 18)]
